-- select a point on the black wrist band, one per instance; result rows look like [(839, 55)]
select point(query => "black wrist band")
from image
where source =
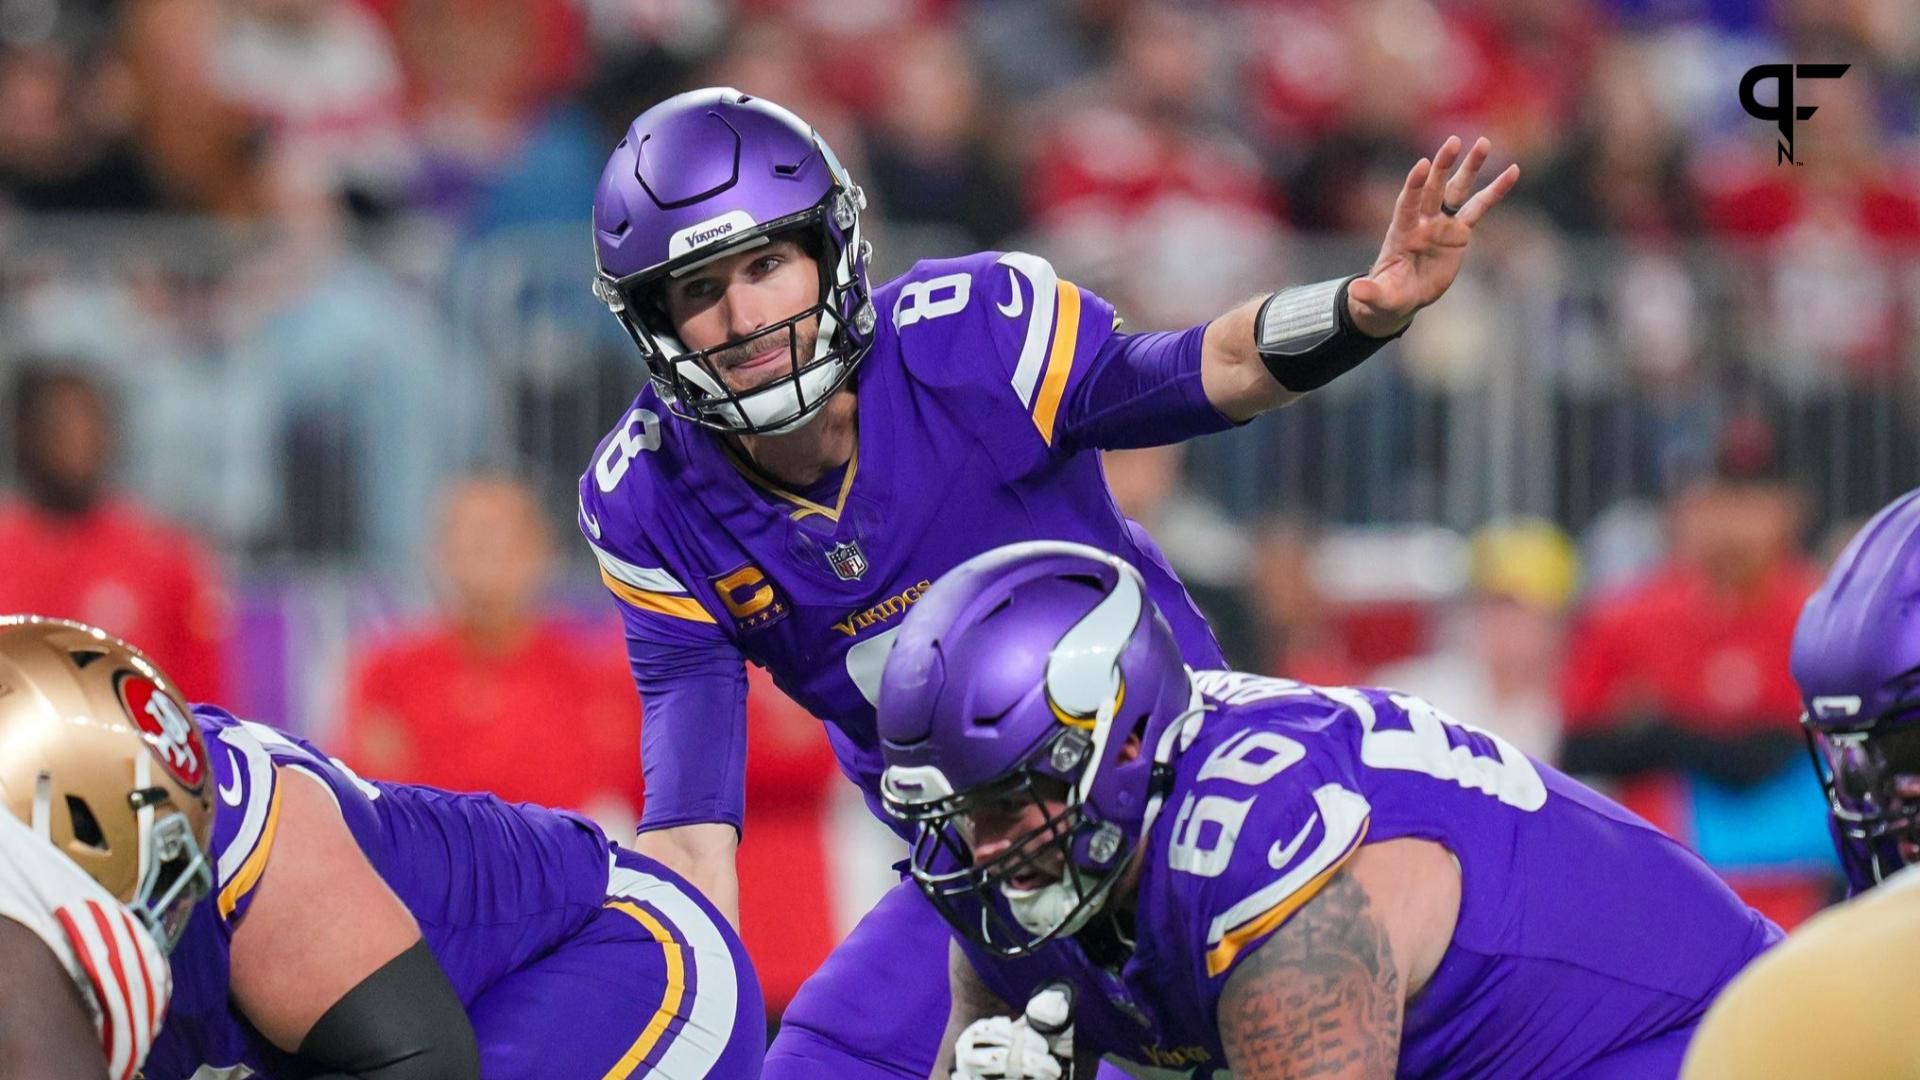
[(1307, 339)]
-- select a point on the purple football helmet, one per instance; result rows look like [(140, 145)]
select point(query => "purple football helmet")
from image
[(1856, 658), (709, 173), (1035, 671)]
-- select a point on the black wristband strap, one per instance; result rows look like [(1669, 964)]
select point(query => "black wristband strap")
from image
[(1307, 339)]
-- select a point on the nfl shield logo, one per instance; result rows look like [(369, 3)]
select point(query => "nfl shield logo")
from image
[(847, 560)]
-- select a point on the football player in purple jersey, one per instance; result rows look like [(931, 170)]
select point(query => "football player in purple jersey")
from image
[(812, 450), (332, 928), (1229, 874)]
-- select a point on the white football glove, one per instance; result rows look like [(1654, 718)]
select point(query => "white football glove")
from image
[(1050, 1014), (1001, 1048)]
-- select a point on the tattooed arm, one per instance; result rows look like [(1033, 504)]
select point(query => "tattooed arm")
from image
[(1320, 998)]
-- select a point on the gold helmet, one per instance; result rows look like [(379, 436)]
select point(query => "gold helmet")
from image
[(99, 755)]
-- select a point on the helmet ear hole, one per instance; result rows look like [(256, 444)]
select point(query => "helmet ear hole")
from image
[(86, 827)]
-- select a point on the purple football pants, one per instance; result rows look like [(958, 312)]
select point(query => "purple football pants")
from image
[(656, 985)]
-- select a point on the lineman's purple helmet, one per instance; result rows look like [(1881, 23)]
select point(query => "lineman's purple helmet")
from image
[(1856, 658), (1039, 669), (710, 173)]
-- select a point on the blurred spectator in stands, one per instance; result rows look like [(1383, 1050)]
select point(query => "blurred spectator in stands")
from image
[(343, 380), (1032, 48), (1137, 182), (322, 80), (1302, 636), (66, 142), (1208, 549), (72, 548), (932, 162), (482, 76), (494, 694), (1686, 668), (1621, 170), (206, 151), (1677, 687), (1314, 73), (1499, 661)]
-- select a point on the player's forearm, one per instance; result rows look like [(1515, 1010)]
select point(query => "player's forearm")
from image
[(971, 1001), (1236, 381), (1272, 350), (704, 855)]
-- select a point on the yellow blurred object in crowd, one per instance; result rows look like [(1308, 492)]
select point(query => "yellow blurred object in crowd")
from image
[(1527, 559)]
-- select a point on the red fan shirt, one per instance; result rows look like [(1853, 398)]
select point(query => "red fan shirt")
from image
[(128, 572), (553, 720)]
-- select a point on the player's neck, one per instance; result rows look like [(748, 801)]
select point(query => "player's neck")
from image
[(800, 458)]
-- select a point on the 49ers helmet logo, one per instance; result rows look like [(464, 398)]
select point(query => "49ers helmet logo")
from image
[(170, 731)]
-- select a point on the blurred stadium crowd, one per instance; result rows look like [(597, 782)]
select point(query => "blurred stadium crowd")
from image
[(300, 359)]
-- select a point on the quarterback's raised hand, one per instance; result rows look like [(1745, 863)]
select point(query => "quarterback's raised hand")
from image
[(1433, 220)]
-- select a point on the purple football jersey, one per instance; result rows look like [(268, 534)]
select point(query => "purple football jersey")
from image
[(989, 387), (1583, 931), (493, 885)]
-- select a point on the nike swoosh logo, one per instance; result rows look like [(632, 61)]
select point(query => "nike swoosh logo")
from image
[(231, 796), (1019, 301), (1279, 856), (593, 526)]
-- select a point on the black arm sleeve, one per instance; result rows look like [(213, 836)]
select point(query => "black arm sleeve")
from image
[(1652, 744), (403, 1022)]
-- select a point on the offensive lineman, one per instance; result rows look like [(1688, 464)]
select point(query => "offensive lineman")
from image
[(812, 452), (1827, 1003), (354, 929), (1246, 876)]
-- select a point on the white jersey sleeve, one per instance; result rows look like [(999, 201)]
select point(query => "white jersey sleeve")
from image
[(119, 968)]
